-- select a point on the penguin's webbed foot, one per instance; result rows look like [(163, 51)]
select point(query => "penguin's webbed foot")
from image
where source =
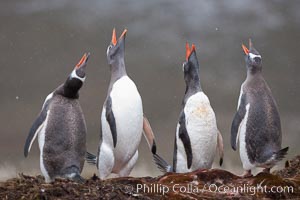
[(247, 174), (267, 170)]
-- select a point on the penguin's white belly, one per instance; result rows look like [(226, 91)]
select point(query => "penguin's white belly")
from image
[(41, 141), (247, 165), (202, 130), (128, 112)]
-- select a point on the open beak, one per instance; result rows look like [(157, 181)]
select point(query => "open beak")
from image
[(188, 50), (250, 43), (83, 60), (123, 34), (114, 37), (246, 50), (114, 40)]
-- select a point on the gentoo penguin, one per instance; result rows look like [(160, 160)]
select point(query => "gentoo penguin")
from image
[(197, 136), (256, 124), (61, 129), (122, 118)]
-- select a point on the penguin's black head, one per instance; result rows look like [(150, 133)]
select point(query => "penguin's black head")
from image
[(115, 50), (76, 78), (191, 67), (79, 71), (252, 57)]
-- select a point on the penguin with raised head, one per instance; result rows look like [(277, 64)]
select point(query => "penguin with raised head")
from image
[(256, 124), (197, 136), (122, 118), (61, 129)]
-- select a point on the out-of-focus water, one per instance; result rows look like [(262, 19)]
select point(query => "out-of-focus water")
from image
[(41, 41)]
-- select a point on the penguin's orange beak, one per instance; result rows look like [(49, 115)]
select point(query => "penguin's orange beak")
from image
[(114, 37), (114, 40), (246, 50), (188, 50), (123, 34), (83, 60)]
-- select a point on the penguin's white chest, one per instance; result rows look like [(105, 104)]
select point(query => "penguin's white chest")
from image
[(128, 112), (41, 141), (247, 165), (202, 129)]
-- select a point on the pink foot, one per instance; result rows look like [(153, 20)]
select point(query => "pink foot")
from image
[(247, 174)]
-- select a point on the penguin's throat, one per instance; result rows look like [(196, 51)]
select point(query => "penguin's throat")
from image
[(192, 84), (117, 70), (190, 90), (252, 70), (71, 91)]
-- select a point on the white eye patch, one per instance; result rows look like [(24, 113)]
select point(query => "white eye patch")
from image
[(253, 56), (74, 75), (108, 48)]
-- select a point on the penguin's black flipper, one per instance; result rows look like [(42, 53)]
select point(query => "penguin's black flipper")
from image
[(175, 155), (239, 116), (90, 158), (184, 136), (149, 135), (36, 127), (111, 120), (161, 164)]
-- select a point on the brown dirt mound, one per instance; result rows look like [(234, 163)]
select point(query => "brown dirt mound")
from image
[(200, 184)]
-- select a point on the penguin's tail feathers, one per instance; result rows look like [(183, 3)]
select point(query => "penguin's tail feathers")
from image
[(220, 147), (221, 162), (279, 155), (73, 173), (75, 177), (149, 135), (90, 158), (161, 164)]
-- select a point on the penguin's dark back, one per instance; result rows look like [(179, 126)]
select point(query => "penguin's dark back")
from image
[(65, 136), (263, 119)]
